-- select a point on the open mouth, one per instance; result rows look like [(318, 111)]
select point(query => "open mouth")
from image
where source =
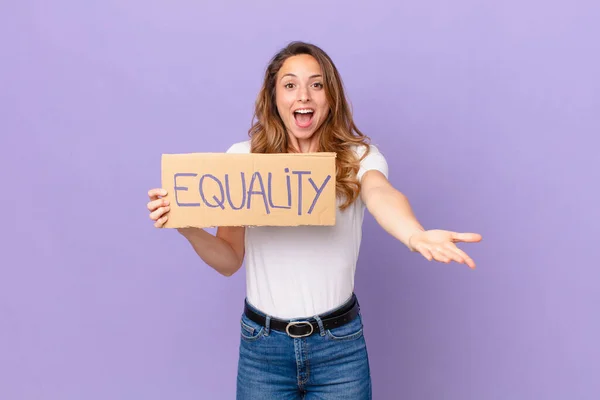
[(304, 117)]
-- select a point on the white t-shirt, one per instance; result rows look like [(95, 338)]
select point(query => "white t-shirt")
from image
[(301, 271)]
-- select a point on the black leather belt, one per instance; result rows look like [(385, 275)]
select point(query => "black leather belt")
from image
[(308, 326)]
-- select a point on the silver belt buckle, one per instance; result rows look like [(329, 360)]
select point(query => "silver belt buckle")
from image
[(287, 328)]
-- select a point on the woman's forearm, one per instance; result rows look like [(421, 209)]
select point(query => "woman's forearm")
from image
[(213, 250), (392, 211)]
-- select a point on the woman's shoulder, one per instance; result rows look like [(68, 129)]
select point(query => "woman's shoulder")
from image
[(374, 160), (360, 149), (239, 147)]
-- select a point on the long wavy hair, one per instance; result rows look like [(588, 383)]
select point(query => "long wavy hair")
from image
[(337, 133)]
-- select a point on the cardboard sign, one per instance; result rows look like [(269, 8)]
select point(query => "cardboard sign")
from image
[(221, 189)]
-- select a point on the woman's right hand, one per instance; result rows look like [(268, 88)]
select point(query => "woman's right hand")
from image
[(158, 207)]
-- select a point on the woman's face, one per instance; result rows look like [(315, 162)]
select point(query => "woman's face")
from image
[(300, 96)]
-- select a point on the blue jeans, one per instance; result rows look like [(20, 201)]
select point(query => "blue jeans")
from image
[(329, 365)]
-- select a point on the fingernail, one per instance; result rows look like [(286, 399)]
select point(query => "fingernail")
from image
[(166, 202), (167, 208)]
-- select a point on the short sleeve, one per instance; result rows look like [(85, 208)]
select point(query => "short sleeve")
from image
[(374, 160), (239, 148)]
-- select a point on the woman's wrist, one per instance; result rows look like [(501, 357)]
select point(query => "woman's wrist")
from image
[(410, 237)]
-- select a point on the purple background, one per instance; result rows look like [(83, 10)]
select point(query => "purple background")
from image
[(488, 114)]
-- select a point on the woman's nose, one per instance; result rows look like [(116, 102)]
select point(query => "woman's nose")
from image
[(303, 95)]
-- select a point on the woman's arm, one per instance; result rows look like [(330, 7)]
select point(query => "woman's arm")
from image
[(224, 251), (392, 211), (389, 207)]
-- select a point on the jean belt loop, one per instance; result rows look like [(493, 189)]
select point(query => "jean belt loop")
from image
[(267, 325), (320, 323)]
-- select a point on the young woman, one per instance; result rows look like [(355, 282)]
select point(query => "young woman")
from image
[(301, 330)]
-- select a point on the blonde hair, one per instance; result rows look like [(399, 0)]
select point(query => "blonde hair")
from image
[(338, 133)]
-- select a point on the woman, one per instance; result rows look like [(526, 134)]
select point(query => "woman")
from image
[(301, 329)]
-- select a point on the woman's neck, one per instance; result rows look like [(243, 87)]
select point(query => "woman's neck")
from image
[(310, 145)]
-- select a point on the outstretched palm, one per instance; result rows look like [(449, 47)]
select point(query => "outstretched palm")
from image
[(440, 245)]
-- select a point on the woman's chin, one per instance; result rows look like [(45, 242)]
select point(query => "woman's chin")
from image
[(302, 135)]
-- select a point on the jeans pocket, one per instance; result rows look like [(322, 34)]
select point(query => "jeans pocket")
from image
[(350, 331), (250, 330)]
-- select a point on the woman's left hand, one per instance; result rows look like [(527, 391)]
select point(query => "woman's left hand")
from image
[(439, 245)]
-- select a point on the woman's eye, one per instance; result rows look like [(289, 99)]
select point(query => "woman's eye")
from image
[(319, 85), (289, 85)]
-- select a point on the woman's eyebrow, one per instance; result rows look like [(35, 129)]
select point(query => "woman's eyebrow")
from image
[(310, 77)]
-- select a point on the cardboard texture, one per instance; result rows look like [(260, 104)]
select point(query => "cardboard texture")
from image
[(220, 189)]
